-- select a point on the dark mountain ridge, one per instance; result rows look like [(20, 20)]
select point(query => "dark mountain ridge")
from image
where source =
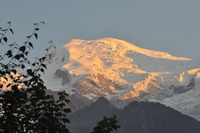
[(136, 117)]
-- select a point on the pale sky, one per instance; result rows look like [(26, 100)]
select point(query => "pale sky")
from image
[(171, 26)]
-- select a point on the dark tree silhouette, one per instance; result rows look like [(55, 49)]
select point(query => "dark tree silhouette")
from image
[(24, 104), (25, 107), (107, 125)]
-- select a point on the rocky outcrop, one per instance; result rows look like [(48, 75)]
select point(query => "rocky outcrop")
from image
[(64, 75)]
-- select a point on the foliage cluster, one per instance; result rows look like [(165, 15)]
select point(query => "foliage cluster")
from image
[(24, 105), (106, 125)]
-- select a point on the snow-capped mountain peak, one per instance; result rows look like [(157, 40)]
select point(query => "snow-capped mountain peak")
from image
[(118, 69), (109, 57)]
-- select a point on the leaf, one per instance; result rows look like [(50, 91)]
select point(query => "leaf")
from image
[(61, 104), (17, 56), (29, 72), (65, 93), (11, 31), (26, 53), (42, 70), (28, 37), (36, 35), (9, 53), (14, 71), (22, 66), (42, 59), (22, 48), (67, 110), (65, 120), (9, 85), (43, 65), (67, 101), (5, 78), (10, 45), (30, 44), (5, 39), (25, 82), (6, 66), (21, 55)]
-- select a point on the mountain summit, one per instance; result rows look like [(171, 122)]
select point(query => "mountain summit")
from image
[(109, 57), (119, 70)]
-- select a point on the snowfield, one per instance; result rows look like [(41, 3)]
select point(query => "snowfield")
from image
[(120, 70)]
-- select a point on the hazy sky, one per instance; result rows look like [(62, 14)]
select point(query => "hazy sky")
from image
[(172, 26)]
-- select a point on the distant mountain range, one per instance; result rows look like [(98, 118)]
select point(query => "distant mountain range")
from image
[(123, 72), (136, 117)]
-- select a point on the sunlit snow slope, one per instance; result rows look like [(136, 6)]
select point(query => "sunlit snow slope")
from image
[(118, 69)]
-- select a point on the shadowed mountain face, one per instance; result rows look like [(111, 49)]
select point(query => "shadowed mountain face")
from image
[(85, 119), (137, 117), (145, 117)]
